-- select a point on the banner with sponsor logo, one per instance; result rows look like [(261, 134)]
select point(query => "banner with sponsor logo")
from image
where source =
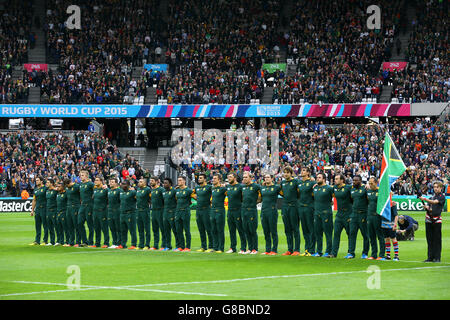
[(205, 110), (156, 67), (15, 205), (274, 67), (394, 65), (36, 66), (407, 203)]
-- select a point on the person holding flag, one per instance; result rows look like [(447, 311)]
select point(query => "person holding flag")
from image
[(392, 167)]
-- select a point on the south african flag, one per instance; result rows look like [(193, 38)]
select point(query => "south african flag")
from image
[(392, 167)]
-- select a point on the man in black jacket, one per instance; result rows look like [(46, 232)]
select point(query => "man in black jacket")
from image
[(433, 223)]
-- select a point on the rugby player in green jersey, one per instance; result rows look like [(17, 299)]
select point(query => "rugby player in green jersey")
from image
[(306, 210), (157, 207), (342, 193), (183, 215), (251, 196), (170, 205), (85, 212), (289, 212), (143, 214), (38, 210), (374, 230), (358, 218), (50, 196), (269, 214), (234, 214), (323, 215), (218, 194), (100, 203), (203, 196), (114, 212), (61, 209), (73, 206), (127, 215)]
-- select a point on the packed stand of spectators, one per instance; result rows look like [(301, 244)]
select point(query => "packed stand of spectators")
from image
[(96, 62), (28, 154), (216, 49), (338, 59), (350, 149), (428, 75), (15, 41)]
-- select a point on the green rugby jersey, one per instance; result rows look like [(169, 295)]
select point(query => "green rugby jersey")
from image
[(157, 198), (143, 198), (343, 197), (100, 198), (73, 194), (203, 195), (50, 196), (372, 197), (269, 195), (86, 192), (323, 197), (40, 197), (250, 195), (128, 200), (170, 199), (218, 195), (61, 202), (114, 198), (234, 194), (305, 192), (183, 197), (290, 191), (360, 201)]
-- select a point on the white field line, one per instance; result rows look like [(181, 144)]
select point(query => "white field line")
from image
[(88, 287), (135, 287)]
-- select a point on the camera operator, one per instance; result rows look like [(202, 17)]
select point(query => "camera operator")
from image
[(433, 223), (406, 227)]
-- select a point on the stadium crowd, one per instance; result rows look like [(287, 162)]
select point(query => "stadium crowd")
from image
[(95, 63), (15, 41), (26, 155), (427, 50), (216, 49)]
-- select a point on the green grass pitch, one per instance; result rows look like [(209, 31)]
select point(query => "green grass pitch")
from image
[(40, 272)]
